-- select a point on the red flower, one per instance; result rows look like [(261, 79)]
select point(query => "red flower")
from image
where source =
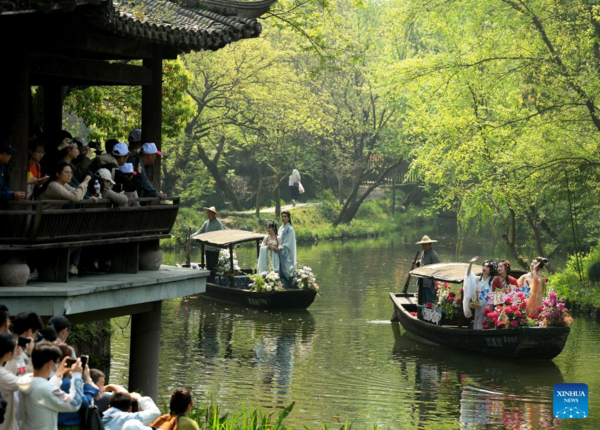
[(460, 291), (518, 314), (486, 326), (436, 288), (459, 301), (509, 301), (429, 305), (487, 310), (446, 285), (500, 324), (450, 299), (514, 323), (523, 305), (451, 294), (414, 314)]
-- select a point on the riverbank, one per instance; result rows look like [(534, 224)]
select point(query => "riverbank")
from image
[(311, 223)]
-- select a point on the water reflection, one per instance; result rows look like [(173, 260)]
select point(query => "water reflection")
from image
[(489, 390)]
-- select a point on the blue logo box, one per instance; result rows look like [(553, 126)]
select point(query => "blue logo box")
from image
[(570, 401)]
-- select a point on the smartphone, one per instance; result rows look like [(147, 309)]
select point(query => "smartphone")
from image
[(84, 360), (71, 361), (24, 341)]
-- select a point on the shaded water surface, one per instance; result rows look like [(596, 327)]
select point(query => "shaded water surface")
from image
[(343, 359)]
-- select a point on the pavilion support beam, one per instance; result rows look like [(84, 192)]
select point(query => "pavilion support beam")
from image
[(53, 106), (152, 114), (47, 69), (144, 352), (14, 113)]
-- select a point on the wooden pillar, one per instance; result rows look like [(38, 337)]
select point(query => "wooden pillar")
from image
[(144, 351), (53, 106), (14, 113), (152, 114)]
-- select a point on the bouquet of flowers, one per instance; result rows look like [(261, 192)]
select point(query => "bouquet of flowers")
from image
[(553, 312), (447, 300), (266, 281), (506, 316), (304, 278), (224, 265)]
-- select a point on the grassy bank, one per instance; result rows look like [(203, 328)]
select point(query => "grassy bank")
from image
[(311, 224), (579, 282)]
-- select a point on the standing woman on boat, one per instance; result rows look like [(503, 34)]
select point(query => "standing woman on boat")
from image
[(211, 224), (287, 250), (426, 292), (473, 287), (525, 280), (504, 281)]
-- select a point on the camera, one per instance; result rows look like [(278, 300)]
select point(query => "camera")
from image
[(84, 360), (71, 361), (24, 341)]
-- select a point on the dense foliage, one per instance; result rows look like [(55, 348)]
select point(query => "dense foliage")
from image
[(492, 102)]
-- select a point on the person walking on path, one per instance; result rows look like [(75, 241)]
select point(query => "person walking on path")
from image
[(211, 224), (287, 250), (426, 292), (294, 183)]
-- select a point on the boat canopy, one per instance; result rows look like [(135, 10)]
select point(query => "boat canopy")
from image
[(446, 272), (225, 238)]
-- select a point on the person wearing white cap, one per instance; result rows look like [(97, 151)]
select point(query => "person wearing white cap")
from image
[(146, 158), (426, 292), (211, 224), (106, 183)]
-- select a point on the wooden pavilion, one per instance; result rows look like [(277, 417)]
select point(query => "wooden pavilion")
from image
[(53, 44)]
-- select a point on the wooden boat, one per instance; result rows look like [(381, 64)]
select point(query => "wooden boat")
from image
[(232, 293), (521, 343)]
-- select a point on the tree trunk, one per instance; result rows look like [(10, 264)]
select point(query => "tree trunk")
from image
[(277, 201), (510, 241), (259, 191), (221, 182), (341, 188)]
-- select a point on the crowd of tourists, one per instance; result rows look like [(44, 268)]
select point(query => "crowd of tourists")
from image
[(44, 385), (63, 168)]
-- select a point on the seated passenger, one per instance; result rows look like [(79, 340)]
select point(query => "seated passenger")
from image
[(6, 195), (58, 188), (268, 257), (525, 280), (474, 287), (504, 281)]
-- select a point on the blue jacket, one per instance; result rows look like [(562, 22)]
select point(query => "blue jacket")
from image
[(5, 193), (66, 419)]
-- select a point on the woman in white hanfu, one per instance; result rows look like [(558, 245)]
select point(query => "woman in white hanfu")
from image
[(472, 288), (287, 250), (268, 256)]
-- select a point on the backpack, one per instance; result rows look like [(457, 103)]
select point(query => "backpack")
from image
[(90, 418)]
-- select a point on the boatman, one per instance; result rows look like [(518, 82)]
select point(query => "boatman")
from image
[(211, 224), (428, 256)]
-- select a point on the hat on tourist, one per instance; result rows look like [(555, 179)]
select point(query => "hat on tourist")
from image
[(120, 149), (135, 135), (128, 168), (6, 148), (150, 148), (59, 323), (105, 174), (426, 239), (212, 209)]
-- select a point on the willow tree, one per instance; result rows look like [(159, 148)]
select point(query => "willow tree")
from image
[(501, 95)]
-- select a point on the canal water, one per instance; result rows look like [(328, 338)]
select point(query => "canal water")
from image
[(342, 360)]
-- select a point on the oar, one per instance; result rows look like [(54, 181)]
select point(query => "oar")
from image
[(412, 266)]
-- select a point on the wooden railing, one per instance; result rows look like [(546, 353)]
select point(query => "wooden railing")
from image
[(29, 223)]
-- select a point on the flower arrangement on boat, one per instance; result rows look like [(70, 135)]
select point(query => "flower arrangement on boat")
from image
[(447, 300), (304, 278), (513, 312), (224, 264), (553, 313), (266, 281)]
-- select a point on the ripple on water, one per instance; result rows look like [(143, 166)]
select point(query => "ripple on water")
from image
[(343, 358)]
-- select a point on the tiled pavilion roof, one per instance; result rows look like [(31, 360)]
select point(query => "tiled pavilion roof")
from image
[(183, 24)]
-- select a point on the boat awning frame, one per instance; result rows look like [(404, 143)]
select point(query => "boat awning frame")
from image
[(226, 238), (446, 272)]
